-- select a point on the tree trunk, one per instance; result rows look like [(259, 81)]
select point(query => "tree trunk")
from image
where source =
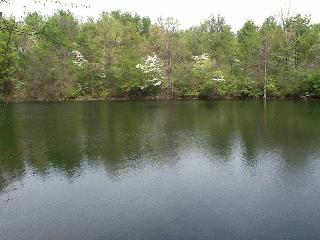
[(265, 80), (170, 77)]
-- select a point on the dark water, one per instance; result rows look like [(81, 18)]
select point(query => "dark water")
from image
[(147, 170)]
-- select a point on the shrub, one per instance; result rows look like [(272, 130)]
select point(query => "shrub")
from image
[(247, 89), (310, 85)]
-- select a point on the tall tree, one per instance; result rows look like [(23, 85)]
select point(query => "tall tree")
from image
[(220, 40), (270, 33), (164, 42)]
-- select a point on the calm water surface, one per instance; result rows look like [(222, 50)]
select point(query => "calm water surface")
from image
[(159, 170)]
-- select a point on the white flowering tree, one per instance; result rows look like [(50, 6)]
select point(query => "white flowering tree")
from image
[(153, 69), (78, 59), (201, 60), (202, 67), (91, 70), (210, 79)]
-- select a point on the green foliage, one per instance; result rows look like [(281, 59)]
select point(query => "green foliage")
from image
[(247, 88), (310, 85), (272, 88), (8, 56), (61, 57), (220, 40)]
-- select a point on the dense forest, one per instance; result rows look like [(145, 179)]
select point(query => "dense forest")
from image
[(123, 56)]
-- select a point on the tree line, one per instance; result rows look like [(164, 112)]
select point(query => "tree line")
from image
[(124, 55)]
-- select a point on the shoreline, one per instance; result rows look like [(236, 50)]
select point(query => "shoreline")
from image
[(92, 99)]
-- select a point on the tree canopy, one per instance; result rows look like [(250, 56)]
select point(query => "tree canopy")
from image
[(124, 55)]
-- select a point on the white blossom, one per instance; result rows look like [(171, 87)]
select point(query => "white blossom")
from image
[(157, 83), (218, 80), (101, 75), (79, 59), (201, 61), (203, 57), (218, 76), (153, 67)]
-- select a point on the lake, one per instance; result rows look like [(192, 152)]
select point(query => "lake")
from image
[(160, 170)]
